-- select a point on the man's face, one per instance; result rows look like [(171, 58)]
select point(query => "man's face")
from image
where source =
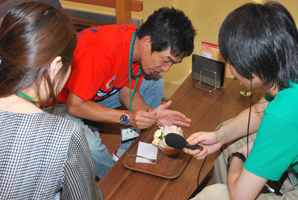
[(157, 62)]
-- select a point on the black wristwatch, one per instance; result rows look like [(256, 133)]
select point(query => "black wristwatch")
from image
[(124, 119), (238, 154)]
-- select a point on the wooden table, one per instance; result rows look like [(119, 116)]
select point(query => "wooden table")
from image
[(206, 110)]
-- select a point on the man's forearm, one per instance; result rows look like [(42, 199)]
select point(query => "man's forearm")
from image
[(93, 111), (233, 175), (237, 128)]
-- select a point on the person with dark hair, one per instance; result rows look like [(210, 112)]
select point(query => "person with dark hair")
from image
[(260, 42), (162, 28), (108, 71), (42, 156)]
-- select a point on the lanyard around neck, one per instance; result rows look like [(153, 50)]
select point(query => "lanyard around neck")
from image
[(21, 94), (134, 89), (129, 71)]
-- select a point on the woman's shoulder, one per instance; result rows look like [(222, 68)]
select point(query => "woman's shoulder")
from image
[(61, 123)]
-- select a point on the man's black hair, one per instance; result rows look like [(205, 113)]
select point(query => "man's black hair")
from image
[(261, 39), (169, 27)]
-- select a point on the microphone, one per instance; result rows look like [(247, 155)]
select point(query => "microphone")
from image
[(178, 142)]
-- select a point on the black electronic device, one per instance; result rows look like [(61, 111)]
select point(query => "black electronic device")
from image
[(208, 71), (178, 142)]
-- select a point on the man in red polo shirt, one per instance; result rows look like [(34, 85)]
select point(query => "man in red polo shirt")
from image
[(108, 71)]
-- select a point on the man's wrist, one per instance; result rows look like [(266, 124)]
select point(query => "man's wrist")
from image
[(124, 118), (221, 137), (239, 155)]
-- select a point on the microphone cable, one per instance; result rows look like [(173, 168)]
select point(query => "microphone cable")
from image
[(198, 182), (248, 123)]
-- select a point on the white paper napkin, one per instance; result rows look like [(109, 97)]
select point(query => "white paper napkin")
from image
[(147, 150)]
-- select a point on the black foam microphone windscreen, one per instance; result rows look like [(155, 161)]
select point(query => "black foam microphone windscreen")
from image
[(175, 141), (178, 142)]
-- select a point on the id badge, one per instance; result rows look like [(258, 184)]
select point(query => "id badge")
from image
[(129, 132)]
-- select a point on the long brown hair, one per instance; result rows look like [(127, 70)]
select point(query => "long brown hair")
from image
[(32, 35)]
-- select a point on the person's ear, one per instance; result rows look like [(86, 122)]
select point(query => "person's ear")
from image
[(146, 42), (55, 66)]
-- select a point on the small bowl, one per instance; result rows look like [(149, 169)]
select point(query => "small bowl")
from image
[(169, 151)]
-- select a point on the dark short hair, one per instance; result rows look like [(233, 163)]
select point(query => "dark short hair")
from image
[(169, 27), (261, 39), (32, 35)]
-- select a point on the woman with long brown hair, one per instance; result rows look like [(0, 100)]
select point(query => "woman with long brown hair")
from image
[(42, 156)]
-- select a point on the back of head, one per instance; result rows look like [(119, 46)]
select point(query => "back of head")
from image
[(261, 39), (8, 4), (32, 35), (169, 27)]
